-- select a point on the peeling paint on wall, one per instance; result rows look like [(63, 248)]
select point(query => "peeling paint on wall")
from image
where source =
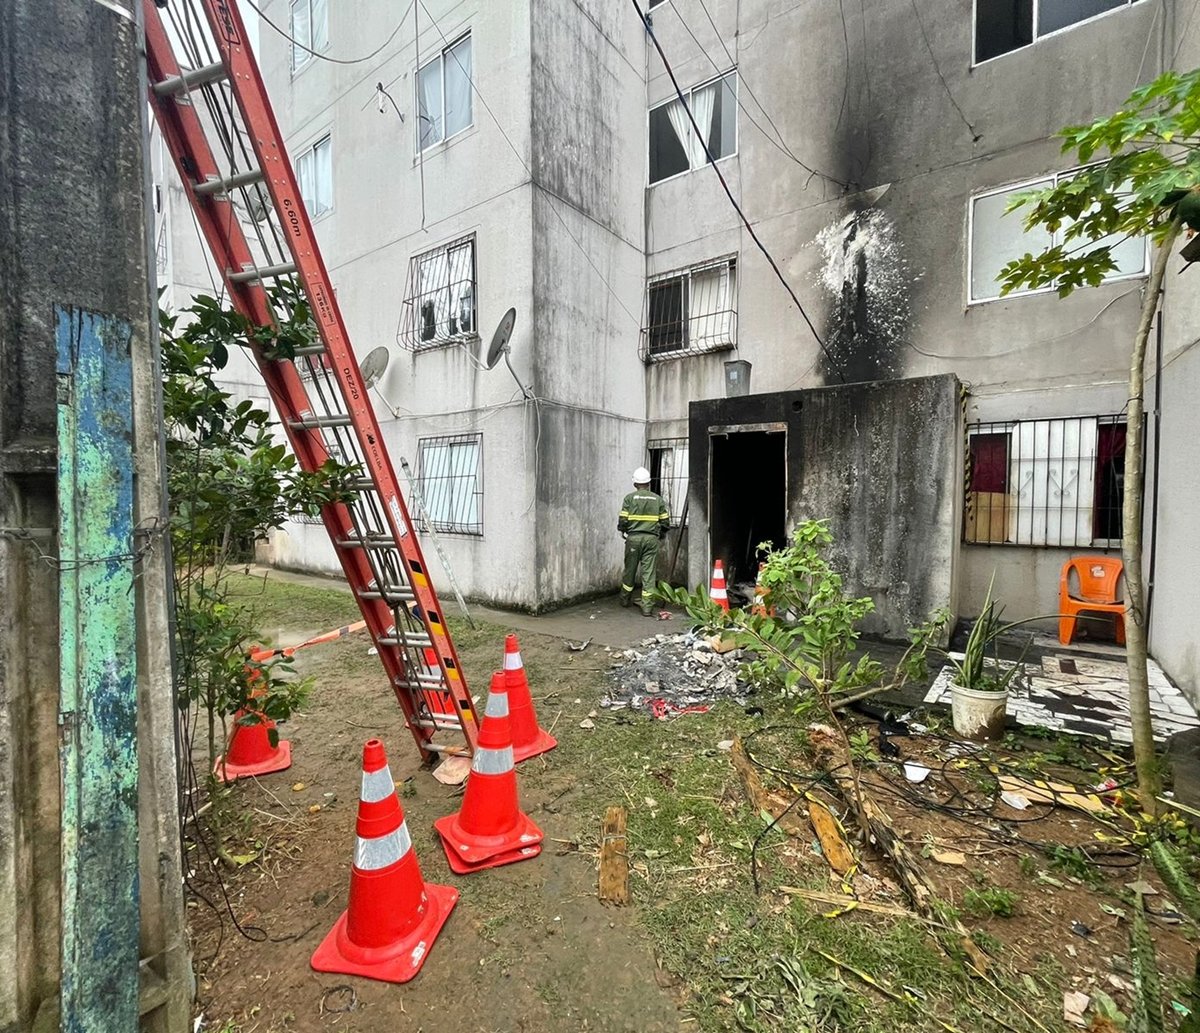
[(866, 274)]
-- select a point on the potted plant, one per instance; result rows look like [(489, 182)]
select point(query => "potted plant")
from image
[(981, 680)]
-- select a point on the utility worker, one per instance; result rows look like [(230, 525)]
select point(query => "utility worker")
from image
[(643, 524)]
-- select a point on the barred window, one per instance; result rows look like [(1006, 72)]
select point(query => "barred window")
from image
[(439, 298), (669, 474), (1046, 482), (691, 311), (450, 479)]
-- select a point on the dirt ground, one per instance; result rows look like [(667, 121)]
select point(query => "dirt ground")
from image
[(530, 948)]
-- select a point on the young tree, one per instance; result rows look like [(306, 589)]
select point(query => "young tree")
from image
[(1140, 178)]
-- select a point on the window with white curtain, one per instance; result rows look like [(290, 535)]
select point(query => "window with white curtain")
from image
[(674, 147), (314, 169), (444, 94), (997, 238), (310, 29)]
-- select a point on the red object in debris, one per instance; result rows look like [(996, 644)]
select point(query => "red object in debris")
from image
[(394, 915)]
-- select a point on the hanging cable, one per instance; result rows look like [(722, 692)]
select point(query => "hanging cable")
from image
[(729, 193), (325, 57)]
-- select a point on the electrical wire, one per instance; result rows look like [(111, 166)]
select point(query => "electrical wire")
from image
[(529, 172), (729, 193), (325, 57), (780, 144), (975, 136)]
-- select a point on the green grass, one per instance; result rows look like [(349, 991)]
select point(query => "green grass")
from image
[(753, 963)]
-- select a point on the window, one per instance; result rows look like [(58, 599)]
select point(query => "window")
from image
[(439, 299), (444, 94), (691, 311), (997, 239), (310, 28), (674, 146), (314, 169), (669, 474), (1002, 26), (451, 482), (1046, 482)]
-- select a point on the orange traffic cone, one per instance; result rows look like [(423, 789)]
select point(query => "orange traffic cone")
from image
[(491, 828), (393, 916), (717, 592), (249, 750), (528, 737)]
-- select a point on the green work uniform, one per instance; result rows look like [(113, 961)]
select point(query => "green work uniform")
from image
[(644, 521)]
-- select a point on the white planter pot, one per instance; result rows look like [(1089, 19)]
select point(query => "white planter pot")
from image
[(976, 714)]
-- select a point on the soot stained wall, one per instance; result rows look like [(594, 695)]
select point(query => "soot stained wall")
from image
[(881, 462)]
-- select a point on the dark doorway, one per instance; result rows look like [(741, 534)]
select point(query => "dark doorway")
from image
[(747, 498)]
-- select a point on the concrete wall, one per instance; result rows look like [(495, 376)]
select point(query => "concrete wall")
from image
[(72, 233), (881, 463), (899, 104), (588, 279)]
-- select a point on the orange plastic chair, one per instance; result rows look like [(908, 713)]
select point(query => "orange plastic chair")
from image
[(1098, 577)]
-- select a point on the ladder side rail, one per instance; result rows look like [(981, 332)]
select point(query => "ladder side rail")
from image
[(221, 228), (258, 117)]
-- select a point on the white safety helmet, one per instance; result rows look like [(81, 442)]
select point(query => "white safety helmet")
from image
[(641, 475)]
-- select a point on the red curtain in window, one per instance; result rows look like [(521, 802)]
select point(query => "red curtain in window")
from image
[(989, 462)]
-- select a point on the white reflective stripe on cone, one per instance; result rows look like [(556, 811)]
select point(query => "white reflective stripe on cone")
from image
[(372, 854), (497, 705), (377, 785), (492, 762), (719, 593), (512, 661)]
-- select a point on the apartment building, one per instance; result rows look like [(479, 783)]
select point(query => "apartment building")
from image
[(536, 155)]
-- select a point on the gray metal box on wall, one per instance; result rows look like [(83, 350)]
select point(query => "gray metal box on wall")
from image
[(880, 461)]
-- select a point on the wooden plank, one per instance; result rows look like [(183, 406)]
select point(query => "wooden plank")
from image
[(614, 858), (97, 674), (762, 800), (833, 841)]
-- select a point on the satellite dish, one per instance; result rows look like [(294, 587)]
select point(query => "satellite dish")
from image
[(499, 346), (500, 338), (373, 365)]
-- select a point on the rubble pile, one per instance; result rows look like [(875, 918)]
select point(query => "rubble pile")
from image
[(670, 675)]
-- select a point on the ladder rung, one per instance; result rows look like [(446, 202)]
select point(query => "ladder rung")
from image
[(367, 543), (307, 349), (261, 272), (190, 79), (446, 724), (389, 593), (317, 422), (363, 484), (419, 639), (441, 747), (421, 682), (223, 186)]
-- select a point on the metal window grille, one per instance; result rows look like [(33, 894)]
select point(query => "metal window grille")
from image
[(450, 477), (691, 311), (669, 474), (439, 297), (1046, 482)]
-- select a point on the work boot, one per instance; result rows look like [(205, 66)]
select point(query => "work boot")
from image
[(626, 599), (647, 611)]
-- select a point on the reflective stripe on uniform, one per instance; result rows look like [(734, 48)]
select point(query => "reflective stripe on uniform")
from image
[(640, 516), (497, 705), (626, 588), (512, 661), (492, 762), (377, 785), (373, 854)]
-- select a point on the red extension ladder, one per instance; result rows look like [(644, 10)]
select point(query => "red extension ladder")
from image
[(210, 103)]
